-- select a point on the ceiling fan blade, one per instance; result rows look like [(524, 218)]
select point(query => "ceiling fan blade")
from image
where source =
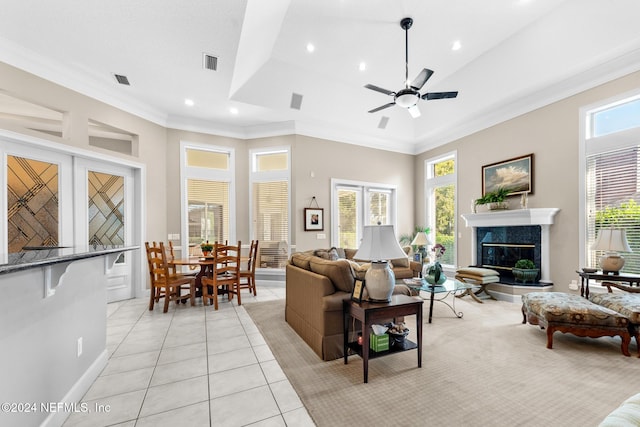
[(379, 89), (414, 111), (382, 107), (439, 95), (421, 79)]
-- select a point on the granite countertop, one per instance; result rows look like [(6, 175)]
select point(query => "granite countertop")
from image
[(41, 256)]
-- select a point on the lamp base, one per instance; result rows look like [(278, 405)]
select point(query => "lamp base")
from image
[(380, 281), (611, 263)]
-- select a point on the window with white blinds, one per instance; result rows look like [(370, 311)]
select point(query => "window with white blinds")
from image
[(208, 211), (440, 196), (613, 201), (208, 203), (270, 183), (612, 178)]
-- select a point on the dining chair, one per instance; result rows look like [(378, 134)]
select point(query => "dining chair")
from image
[(226, 274), (174, 268), (164, 283), (248, 275)]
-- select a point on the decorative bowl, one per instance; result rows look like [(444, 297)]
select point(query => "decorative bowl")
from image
[(589, 270)]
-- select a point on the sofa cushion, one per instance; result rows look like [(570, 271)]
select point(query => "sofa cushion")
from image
[(476, 271), (302, 260), (626, 415), (349, 253), (626, 304), (339, 272), (359, 270), (400, 262)]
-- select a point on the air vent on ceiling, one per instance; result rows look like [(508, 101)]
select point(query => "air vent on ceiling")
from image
[(296, 101), (209, 62), (123, 80), (383, 122)]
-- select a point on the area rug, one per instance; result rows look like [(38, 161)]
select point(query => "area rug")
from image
[(485, 369)]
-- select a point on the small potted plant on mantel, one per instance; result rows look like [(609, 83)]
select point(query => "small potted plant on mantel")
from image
[(495, 199), (525, 270)]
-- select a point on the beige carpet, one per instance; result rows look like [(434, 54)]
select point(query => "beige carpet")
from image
[(486, 369)]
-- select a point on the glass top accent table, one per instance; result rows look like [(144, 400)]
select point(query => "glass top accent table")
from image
[(451, 287)]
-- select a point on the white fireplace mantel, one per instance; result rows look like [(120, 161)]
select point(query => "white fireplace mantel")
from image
[(543, 217), (536, 216)]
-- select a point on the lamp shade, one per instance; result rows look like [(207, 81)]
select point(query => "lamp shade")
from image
[(421, 239), (379, 243), (611, 239)]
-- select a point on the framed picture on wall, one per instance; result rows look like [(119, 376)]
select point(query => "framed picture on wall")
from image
[(313, 219), (516, 175)]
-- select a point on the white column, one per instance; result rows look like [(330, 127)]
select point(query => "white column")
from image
[(545, 259)]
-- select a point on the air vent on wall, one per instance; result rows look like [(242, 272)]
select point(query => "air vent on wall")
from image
[(209, 62), (383, 122), (296, 101), (123, 80)]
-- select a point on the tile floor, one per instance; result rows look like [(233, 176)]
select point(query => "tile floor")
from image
[(192, 366)]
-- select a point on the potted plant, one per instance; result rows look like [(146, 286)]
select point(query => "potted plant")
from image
[(495, 199), (206, 248), (525, 270)]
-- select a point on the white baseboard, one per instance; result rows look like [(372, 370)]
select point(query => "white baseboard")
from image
[(78, 390)]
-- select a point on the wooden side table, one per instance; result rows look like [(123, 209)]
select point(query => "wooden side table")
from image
[(368, 313), (608, 280)]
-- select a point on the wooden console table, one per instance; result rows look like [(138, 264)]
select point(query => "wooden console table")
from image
[(368, 313), (609, 280)]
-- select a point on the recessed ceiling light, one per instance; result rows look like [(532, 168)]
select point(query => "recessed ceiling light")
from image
[(233, 110), (310, 47), (188, 102), (362, 66), (456, 45)]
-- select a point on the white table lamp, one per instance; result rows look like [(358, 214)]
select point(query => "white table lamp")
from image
[(421, 241), (379, 244), (612, 241)]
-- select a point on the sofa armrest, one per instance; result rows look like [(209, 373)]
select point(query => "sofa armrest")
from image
[(416, 267)]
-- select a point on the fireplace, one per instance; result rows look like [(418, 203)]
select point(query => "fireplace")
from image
[(501, 238), (499, 248)]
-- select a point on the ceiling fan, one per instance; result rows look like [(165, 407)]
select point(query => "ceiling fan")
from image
[(409, 96)]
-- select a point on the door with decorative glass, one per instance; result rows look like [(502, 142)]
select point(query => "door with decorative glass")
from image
[(104, 209)]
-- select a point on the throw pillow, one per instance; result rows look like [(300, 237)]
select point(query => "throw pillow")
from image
[(359, 270), (400, 262), (339, 272)]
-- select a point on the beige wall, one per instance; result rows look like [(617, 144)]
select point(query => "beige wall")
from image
[(552, 135)]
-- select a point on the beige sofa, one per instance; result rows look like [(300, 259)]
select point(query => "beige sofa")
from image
[(316, 284)]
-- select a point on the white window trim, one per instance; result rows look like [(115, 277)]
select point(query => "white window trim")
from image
[(430, 183), (337, 183), (592, 145), (191, 172)]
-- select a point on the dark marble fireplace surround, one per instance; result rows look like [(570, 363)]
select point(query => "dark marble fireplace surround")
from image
[(500, 247)]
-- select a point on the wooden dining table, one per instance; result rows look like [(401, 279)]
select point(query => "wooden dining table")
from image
[(206, 265)]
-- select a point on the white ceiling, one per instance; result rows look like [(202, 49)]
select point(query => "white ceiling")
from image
[(516, 55)]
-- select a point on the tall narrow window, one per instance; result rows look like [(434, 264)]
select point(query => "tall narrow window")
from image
[(612, 177), (270, 205), (32, 201), (356, 204), (441, 204), (208, 204)]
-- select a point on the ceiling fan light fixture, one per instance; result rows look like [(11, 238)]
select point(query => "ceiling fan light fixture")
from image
[(414, 111), (407, 99)]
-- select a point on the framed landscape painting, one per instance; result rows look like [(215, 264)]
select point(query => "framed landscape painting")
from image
[(516, 175)]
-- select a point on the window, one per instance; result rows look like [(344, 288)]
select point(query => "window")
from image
[(612, 177), (270, 205), (440, 188), (207, 202), (356, 204)]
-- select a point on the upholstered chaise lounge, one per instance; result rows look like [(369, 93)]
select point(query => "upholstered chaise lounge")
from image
[(557, 311)]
